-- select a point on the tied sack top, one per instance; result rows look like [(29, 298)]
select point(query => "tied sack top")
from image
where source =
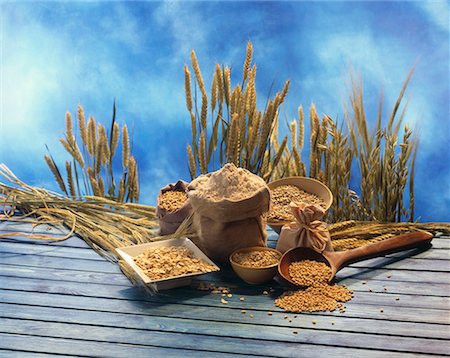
[(306, 231)]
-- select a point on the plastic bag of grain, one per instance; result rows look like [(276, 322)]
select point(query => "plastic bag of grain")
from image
[(306, 231), (228, 205), (172, 207)]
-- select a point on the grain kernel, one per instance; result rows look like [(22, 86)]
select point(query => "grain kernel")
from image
[(280, 198), (172, 200), (257, 258), (309, 272), (172, 261)]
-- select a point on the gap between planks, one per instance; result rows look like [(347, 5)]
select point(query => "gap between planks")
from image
[(164, 323), (263, 343), (183, 310)]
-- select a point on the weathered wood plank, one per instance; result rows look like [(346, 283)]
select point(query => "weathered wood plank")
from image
[(98, 349), (21, 354), (47, 250), (116, 278), (279, 328), (107, 267), (82, 253), (60, 263), (73, 241), (441, 242), (219, 342), (208, 307), (405, 264), (82, 348), (362, 294), (432, 253), (22, 226), (227, 277), (383, 274), (380, 274)]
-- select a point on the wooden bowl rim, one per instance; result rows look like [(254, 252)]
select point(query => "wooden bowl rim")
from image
[(279, 182), (254, 248)]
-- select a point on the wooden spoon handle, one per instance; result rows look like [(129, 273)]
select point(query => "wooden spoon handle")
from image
[(398, 243)]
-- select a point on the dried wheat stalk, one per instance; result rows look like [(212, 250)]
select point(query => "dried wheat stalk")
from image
[(239, 132), (103, 224), (386, 166), (91, 170), (351, 234), (384, 173)]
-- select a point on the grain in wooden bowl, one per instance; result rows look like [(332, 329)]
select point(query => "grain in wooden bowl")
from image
[(255, 265), (295, 189), (257, 258)]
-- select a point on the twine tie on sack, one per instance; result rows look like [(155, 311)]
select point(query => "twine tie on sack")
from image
[(307, 230), (303, 226)]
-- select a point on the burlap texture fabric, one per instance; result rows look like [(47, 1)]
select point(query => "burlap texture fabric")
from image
[(170, 221), (306, 231), (225, 225)]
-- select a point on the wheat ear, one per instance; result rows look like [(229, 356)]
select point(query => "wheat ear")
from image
[(125, 146), (115, 139), (220, 85), (248, 60), (82, 125), (202, 153), (197, 72), (69, 132), (92, 136), (191, 162), (56, 173), (70, 180), (187, 88)]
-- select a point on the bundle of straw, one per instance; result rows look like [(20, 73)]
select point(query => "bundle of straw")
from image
[(350, 234), (102, 223), (238, 131), (90, 172)]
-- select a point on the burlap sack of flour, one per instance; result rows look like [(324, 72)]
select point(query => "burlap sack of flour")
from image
[(169, 221), (306, 231), (228, 205)]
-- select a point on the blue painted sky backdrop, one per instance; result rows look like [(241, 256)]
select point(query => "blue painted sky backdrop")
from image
[(55, 55)]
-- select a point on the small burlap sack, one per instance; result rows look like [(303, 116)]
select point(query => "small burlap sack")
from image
[(306, 231), (228, 211), (169, 221)]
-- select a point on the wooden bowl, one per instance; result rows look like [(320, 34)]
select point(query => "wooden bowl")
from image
[(297, 254), (309, 185), (254, 275)]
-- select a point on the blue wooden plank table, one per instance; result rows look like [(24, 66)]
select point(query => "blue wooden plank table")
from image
[(62, 298)]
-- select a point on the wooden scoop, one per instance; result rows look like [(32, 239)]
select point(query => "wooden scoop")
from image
[(337, 260)]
